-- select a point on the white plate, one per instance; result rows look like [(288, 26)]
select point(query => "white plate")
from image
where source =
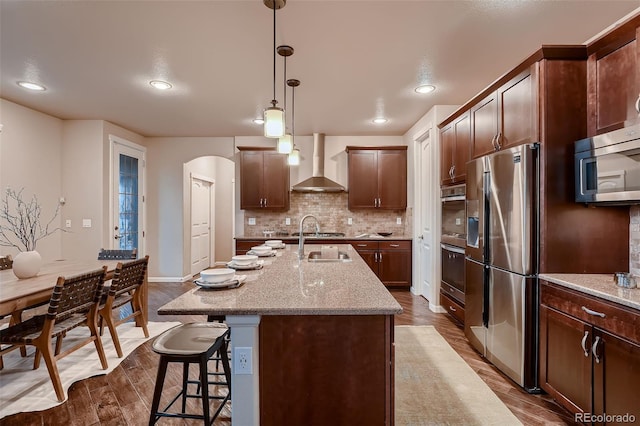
[(270, 254), (232, 283), (255, 265)]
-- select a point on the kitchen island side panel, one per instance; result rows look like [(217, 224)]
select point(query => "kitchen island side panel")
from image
[(321, 370)]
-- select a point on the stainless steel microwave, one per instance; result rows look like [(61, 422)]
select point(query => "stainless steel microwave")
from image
[(607, 167)]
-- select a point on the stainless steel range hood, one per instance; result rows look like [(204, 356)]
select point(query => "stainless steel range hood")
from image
[(318, 183)]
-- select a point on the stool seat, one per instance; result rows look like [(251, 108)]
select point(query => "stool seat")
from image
[(189, 339), (194, 343)]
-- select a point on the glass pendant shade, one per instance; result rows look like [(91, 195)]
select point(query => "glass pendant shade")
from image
[(294, 157), (285, 144), (273, 122)]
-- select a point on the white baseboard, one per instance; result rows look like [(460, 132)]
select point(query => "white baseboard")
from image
[(169, 279)]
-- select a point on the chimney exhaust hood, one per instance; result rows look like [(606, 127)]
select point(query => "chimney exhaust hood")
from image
[(318, 183)]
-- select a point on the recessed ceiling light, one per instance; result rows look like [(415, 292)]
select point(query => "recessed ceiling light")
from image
[(31, 86), (380, 120), (258, 120), (425, 88), (160, 85)]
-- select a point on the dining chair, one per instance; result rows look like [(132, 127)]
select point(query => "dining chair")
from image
[(108, 254), (6, 262), (125, 288), (74, 302)]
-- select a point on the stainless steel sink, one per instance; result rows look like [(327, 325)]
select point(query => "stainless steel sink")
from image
[(316, 256)]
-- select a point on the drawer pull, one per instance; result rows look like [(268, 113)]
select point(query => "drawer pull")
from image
[(452, 309), (594, 349), (584, 344), (361, 245), (595, 313), (394, 245), (451, 290)]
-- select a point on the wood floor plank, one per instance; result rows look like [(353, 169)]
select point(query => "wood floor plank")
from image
[(95, 401)]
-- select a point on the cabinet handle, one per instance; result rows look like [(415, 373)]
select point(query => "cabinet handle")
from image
[(265, 202), (498, 139), (380, 257), (584, 343), (452, 309), (451, 173), (361, 245), (451, 290), (638, 104), (379, 202), (594, 350), (394, 245), (493, 142), (595, 313)]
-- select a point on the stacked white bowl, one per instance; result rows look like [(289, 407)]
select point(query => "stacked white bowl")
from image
[(273, 243), (244, 259), (261, 250), (218, 275)]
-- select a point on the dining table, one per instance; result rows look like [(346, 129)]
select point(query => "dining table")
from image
[(18, 294)]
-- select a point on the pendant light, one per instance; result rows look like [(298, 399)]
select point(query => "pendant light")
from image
[(274, 124), (294, 156), (285, 143)]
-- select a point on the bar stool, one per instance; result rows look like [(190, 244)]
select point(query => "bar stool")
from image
[(193, 343)]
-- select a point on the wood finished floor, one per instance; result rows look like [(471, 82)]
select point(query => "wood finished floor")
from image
[(123, 396)]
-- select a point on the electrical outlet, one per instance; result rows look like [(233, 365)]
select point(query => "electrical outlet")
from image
[(252, 221), (458, 221), (68, 223), (287, 221), (398, 221), (349, 221), (242, 360)]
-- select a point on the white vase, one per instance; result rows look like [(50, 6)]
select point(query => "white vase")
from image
[(27, 264)]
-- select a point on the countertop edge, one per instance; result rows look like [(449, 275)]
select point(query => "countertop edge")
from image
[(285, 312), (585, 283)]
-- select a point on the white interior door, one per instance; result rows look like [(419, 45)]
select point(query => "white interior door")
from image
[(202, 198), (127, 195), (428, 212)]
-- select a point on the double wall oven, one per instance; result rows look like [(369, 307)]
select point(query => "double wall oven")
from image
[(452, 242)]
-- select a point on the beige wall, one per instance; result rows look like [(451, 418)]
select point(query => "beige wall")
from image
[(166, 158), (30, 158)]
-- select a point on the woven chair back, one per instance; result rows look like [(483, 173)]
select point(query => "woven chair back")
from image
[(6, 262), (128, 276), (106, 254), (76, 294)]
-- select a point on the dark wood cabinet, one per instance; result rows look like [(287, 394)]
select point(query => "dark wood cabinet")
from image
[(544, 99), (613, 74), (377, 177), (454, 151), (390, 260), (508, 116), (590, 352), (264, 179)]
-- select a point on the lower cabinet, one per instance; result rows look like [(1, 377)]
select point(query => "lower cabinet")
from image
[(390, 260), (590, 355)]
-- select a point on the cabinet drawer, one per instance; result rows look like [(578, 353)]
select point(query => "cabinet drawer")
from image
[(452, 292), (453, 308), (364, 245), (394, 245), (611, 317)]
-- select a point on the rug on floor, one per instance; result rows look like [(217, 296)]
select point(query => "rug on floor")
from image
[(25, 389), (435, 386)]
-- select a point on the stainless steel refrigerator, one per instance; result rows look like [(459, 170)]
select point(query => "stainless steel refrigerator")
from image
[(501, 263)]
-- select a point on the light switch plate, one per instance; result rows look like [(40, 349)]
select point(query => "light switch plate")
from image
[(252, 221), (86, 223), (287, 221), (349, 221), (398, 221), (68, 223)]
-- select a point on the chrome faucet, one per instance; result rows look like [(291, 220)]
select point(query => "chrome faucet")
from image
[(301, 236)]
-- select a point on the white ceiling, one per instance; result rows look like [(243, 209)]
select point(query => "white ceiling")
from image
[(355, 59)]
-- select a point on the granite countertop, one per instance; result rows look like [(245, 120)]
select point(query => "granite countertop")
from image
[(311, 237), (599, 285), (287, 286)]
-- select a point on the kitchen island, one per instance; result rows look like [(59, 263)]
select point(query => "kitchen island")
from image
[(320, 336)]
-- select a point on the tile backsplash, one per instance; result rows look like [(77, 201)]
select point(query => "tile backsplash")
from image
[(331, 210)]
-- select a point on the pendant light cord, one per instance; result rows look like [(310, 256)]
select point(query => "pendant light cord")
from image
[(274, 54), (293, 116)]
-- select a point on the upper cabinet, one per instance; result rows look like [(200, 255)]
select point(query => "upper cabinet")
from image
[(613, 74), (377, 177), (507, 116), (454, 150), (264, 179)]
